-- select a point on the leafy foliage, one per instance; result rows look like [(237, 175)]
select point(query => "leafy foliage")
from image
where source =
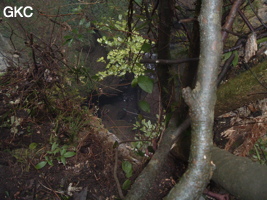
[(259, 153), (58, 153), (125, 52), (147, 131), (127, 167)]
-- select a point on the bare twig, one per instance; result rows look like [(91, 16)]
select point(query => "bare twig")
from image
[(162, 61), (33, 53), (54, 191), (257, 93), (230, 19)]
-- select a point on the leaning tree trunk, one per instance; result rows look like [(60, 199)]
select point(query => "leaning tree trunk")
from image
[(243, 178), (240, 176)]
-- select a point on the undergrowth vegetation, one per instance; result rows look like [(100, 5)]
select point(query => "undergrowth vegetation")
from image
[(38, 84), (30, 96)]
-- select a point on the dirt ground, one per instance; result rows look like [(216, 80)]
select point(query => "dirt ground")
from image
[(91, 166), (87, 175)]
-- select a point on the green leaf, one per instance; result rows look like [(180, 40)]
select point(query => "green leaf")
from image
[(88, 24), (33, 146), (40, 165), (127, 167), (95, 77), (82, 21), (144, 106), (235, 61), (54, 146), (56, 151), (63, 151), (69, 42), (50, 162), (63, 160), (226, 56), (126, 185), (146, 83), (139, 2), (77, 10), (134, 82), (68, 37), (262, 40), (146, 47), (69, 154)]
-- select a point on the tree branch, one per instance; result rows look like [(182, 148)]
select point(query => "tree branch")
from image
[(162, 61), (230, 19)]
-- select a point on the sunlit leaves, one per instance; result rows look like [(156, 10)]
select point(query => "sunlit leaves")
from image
[(125, 52), (147, 131)]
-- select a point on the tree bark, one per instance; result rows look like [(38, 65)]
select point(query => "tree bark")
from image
[(201, 103), (164, 34), (243, 178), (240, 176), (230, 19)]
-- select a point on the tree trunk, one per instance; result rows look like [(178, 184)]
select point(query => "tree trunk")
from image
[(243, 178), (201, 103), (164, 35), (240, 176)]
